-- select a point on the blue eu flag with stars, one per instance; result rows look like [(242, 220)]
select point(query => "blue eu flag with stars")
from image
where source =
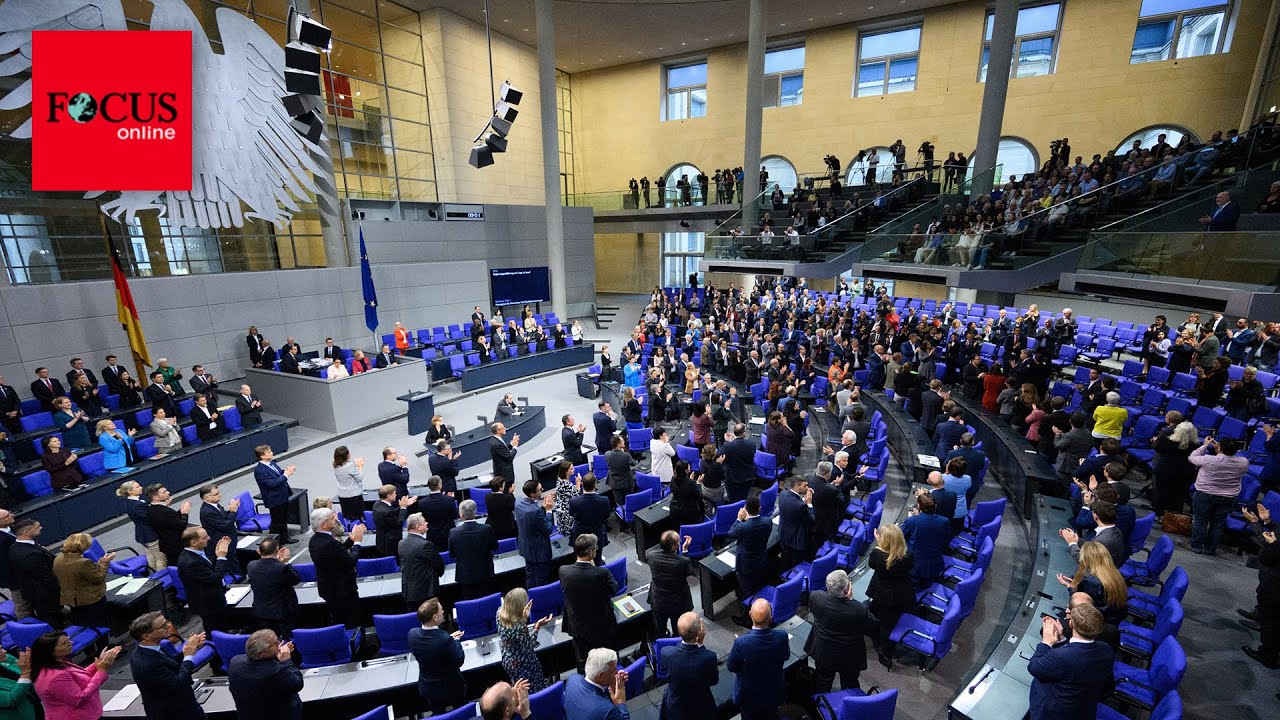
[(370, 294)]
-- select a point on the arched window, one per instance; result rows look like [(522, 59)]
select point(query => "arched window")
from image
[(857, 171), (1015, 157), (1150, 135), (691, 172), (781, 171)]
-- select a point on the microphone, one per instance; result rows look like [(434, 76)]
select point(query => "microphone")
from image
[(985, 675)]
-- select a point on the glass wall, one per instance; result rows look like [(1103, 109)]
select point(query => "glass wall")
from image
[(680, 255), (887, 62)]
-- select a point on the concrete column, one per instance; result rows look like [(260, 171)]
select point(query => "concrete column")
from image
[(544, 17), (754, 119), (1265, 59), (993, 95)]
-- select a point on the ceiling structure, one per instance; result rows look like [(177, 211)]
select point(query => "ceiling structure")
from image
[(592, 34)]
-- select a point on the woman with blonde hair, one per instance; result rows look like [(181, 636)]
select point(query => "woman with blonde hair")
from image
[(136, 508), (518, 641), (116, 446), (1098, 578), (438, 430), (890, 591), (83, 582)]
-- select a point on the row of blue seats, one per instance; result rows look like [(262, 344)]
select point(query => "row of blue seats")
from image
[(441, 334)]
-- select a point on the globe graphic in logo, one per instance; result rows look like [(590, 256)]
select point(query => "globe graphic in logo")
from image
[(82, 107)]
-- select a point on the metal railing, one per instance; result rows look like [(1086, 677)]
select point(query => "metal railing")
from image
[(1244, 259), (956, 193)]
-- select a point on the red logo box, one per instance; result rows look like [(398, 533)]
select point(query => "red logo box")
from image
[(111, 110)]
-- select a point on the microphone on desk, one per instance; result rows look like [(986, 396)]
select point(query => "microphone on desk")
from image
[(974, 686)]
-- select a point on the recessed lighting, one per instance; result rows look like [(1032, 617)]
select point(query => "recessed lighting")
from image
[(506, 20), (683, 44)]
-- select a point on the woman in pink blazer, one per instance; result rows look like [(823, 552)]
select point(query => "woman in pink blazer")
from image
[(68, 691)]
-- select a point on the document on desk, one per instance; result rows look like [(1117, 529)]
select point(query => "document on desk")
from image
[(628, 605), (927, 460), (727, 557), (117, 582), (757, 420), (123, 699), (236, 594), (246, 541), (132, 586)]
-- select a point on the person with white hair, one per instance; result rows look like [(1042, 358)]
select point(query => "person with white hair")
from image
[(336, 566), (600, 692), (1109, 419), (265, 679), (839, 623), (1065, 328)]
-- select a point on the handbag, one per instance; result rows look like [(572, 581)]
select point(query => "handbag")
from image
[(1175, 523)]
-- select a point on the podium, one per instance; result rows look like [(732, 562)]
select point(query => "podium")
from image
[(422, 408), (544, 470), (586, 386)]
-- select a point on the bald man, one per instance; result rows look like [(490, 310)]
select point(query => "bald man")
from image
[(757, 658), (503, 701), (692, 671)]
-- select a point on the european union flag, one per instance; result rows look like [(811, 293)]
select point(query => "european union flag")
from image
[(370, 294)]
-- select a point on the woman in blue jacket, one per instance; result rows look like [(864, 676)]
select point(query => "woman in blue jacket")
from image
[(927, 535), (117, 447)]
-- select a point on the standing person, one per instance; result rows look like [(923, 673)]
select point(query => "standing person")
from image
[(571, 440), (605, 426), (164, 682), (388, 519), (17, 693), (590, 514), (66, 690), (264, 681), (739, 457), (83, 582), (622, 474), (420, 564), (439, 655), (927, 535), (273, 483), (394, 470), (751, 532), (349, 475), (835, 642), (472, 545), (588, 607), (220, 522), (1265, 615), (1069, 680), (167, 522), (501, 505), (336, 567), (135, 507), (443, 464), (518, 642), (891, 591), (535, 523), (756, 659), (1174, 472), (273, 579), (1217, 486), (795, 521), (661, 454), (711, 476), (31, 567), (501, 453), (568, 487), (669, 594), (203, 578), (692, 670), (599, 692)]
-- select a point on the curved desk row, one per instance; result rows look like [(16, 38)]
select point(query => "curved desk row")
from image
[(474, 443), (65, 512), (475, 377), (340, 692)]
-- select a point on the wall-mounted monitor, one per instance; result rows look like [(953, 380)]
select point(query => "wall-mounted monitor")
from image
[(520, 286)]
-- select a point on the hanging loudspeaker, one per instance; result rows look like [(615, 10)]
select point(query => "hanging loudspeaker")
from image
[(507, 93)]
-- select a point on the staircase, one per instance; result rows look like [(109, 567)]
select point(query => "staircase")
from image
[(605, 315)]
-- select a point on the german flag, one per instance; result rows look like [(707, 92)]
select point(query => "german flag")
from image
[(126, 311)]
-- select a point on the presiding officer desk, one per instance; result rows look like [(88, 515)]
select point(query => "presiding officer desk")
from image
[(342, 405), (475, 375), (340, 692)]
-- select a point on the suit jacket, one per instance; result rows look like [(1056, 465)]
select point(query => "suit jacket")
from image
[(439, 659), (739, 461), (45, 395), (384, 359), (111, 376), (203, 581), (505, 409), (219, 523), (335, 568), (208, 388), (32, 569), (605, 428), (273, 583), (168, 525), (590, 702), (439, 510), (289, 363), (249, 415), (472, 545), (265, 689), (272, 483), (329, 353), (447, 468), (1068, 681), (927, 536), (947, 434), (267, 357), (692, 670), (795, 524), (73, 374), (502, 514), (622, 477), (254, 342), (390, 473), (931, 407), (420, 569), (165, 685), (19, 699), (669, 592), (757, 658), (944, 502), (839, 625), (1224, 219), (572, 441), (388, 526), (6, 541), (534, 526), (1113, 539), (828, 509), (503, 456), (159, 398), (752, 536), (201, 420), (590, 512), (588, 606)]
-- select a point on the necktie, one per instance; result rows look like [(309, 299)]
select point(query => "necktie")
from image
[(49, 384)]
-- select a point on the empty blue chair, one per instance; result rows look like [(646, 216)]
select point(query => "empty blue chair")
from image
[(393, 632), (967, 590), (853, 704), (634, 503), (985, 512), (1149, 686), (767, 466), (860, 508), (726, 516), (549, 702), (231, 416), (37, 483), (466, 712), (25, 632), (931, 640), (91, 465), (1147, 573), (478, 618), (547, 600), (660, 672), (306, 571), (635, 676), (599, 465), (1169, 708), (248, 519), (1146, 606), (702, 533), (134, 565), (645, 481), (38, 421), (768, 500), (784, 598), (189, 436), (456, 365), (228, 646), (819, 569), (638, 440), (324, 646), (376, 566), (1141, 641), (690, 454), (618, 567), (507, 545), (1141, 530)]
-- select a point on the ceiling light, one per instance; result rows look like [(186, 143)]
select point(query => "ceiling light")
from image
[(357, 93), (683, 44)]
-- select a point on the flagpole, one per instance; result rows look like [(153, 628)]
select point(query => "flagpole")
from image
[(140, 375)]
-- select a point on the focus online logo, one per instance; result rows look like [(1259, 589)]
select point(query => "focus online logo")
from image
[(147, 113)]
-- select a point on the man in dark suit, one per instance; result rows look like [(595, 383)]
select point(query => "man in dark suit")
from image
[(692, 670), (440, 510), (439, 655), (1110, 536), (420, 565), (273, 483), (394, 470), (7, 539), (264, 681), (571, 439), (974, 458), (669, 595), (947, 434), (588, 606), (795, 521), (944, 500), (472, 545), (534, 523), (622, 474), (931, 403), (836, 641), (501, 453), (605, 426), (1224, 216), (828, 503), (330, 351), (10, 408), (202, 578), (111, 376), (160, 395), (167, 522), (78, 369), (32, 569), (164, 682), (388, 520), (385, 358), (443, 463), (273, 579), (220, 522), (590, 512), (501, 505), (757, 658), (288, 361), (207, 421), (266, 356), (250, 407), (1069, 680), (203, 383), (739, 458), (750, 562), (45, 389), (336, 567), (599, 692)]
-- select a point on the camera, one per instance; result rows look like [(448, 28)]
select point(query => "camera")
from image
[(926, 147)]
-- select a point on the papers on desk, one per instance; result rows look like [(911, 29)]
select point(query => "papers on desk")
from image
[(130, 586), (123, 699), (485, 478), (157, 456), (628, 606), (113, 583), (927, 460), (236, 594), (246, 541), (756, 420), (727, 557), (468, 644)]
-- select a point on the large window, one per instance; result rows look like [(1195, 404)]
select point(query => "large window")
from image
[(1036, 39), (1015, 158), (1148, 137), (856, 174), (1171, 29), (686, 91), (672, 191), (784, 77), (887, 62), (781, 171), (680, 255)]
